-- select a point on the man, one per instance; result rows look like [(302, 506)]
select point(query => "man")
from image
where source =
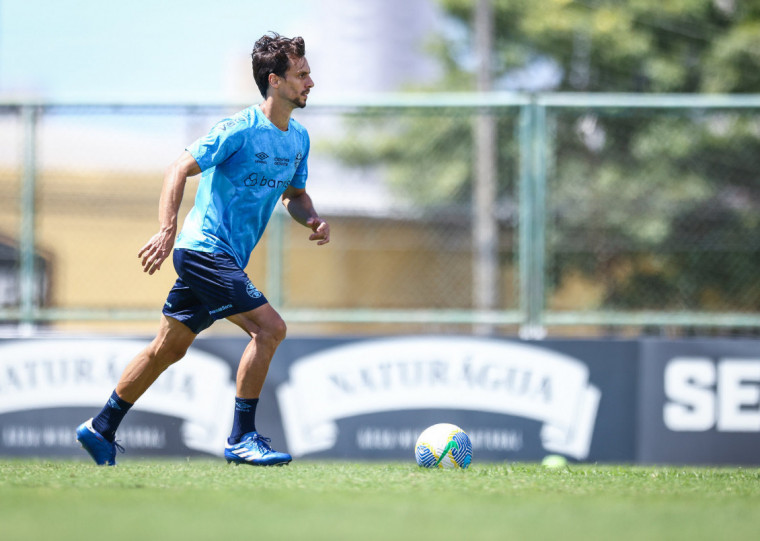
[(248, 162)]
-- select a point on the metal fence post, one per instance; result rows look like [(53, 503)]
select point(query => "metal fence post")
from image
[(525, 213), (275, 255), (533, 239), (27, 234)]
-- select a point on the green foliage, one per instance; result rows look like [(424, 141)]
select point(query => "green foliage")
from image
[(634, 46), (428, 155), (732, 63), (651, 204)]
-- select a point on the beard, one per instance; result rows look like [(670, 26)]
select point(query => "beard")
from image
[(299, 101)]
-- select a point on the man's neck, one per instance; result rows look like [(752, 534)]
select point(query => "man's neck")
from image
[(278, 113)]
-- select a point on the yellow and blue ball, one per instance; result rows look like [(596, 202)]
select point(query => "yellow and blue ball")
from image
[(443, 446)]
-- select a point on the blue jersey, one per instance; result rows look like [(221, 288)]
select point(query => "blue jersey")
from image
[(247, 164)]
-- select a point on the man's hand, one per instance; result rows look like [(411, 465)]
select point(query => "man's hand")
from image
[(321, 230), (156, 250), (160, 245)]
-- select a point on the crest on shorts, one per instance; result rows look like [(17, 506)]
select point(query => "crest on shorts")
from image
[(252, 291)]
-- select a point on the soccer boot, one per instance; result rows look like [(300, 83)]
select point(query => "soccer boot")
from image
[(102, 451), (254, 449)]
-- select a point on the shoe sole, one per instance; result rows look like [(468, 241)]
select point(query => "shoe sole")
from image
[(236, 463), (92, 457)]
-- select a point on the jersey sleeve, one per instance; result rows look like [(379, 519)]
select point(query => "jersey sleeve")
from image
[(302, 170), (221, 142)]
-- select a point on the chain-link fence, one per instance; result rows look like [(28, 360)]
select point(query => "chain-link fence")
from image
[(652, 212), (497, 213)]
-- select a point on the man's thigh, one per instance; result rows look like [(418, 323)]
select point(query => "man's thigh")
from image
[(264, 318), (210, 286)]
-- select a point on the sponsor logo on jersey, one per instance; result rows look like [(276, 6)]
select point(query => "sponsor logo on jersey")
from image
[(228, 124), (220, 309), (253, 180)]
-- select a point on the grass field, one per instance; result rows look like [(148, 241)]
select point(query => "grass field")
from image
[(207, 499)]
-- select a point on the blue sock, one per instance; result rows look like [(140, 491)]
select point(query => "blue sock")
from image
[(244, 420), (110, 417)]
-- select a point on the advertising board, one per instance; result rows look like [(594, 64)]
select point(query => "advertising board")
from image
[(334, 398), (626, 401), (699, 402)]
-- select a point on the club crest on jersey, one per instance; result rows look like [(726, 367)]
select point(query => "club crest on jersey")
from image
[(252, 291)]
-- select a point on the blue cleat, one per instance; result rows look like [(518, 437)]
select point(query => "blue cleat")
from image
[(254, 449), (102, 451)]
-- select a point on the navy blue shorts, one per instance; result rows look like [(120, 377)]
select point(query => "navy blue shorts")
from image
[(210, 286)]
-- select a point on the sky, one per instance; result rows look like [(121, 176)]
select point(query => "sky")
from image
[(192, 51), (163, 50)]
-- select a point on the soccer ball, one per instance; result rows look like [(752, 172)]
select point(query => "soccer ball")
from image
[(443, 446)]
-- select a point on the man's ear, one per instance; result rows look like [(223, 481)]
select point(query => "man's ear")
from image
[(274, 80)]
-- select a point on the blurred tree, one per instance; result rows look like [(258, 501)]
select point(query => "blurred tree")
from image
[(658, 208), (631, 46)]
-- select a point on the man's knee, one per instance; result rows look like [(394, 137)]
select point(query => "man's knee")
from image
[(173, 352), (282, 331), (263, 325), (169, 347), (166, 353), (276, 330)]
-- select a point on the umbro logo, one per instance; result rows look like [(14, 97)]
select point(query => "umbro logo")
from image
[(262, 155)]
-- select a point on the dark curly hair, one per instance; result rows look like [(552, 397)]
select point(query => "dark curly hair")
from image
[(271, 54)]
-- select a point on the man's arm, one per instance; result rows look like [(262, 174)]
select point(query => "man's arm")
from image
[(300, 207), (160, 245)]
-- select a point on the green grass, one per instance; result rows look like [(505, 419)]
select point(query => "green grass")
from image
[(206, 499)]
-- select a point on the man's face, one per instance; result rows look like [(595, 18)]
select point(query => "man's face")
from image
[(295, 85)]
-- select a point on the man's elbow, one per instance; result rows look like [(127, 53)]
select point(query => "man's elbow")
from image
[(291, 195), (184, 166)]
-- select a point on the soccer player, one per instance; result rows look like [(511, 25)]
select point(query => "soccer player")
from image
[(248, 162)]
